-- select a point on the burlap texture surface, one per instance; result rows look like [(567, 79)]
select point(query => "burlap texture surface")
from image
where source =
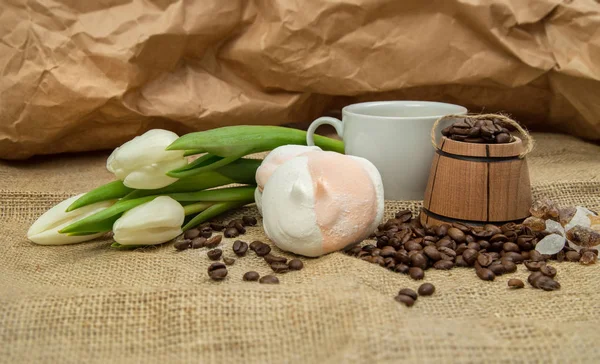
[(89, 303)]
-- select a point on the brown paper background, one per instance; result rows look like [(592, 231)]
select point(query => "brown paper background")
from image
[(81, 75), (87, 303)]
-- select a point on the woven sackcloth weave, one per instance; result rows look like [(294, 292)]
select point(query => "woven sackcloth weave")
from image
[(88, 303)]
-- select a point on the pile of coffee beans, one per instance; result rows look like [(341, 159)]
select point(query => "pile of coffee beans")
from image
[(408, 297), (404, 246), (202, 237), (485, 131)]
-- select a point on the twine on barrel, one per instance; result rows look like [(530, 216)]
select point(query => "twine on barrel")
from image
[(526, 136)]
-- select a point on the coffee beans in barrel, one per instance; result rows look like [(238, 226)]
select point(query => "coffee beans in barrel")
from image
[(478, 131), (426, 289), (217, 271), (240, 248), (269, 279), (251, 276)]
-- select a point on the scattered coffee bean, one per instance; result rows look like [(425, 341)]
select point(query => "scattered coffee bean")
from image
[(296, 264), (460, 262), (251, 276), (261, 249), (548, 271), (485, 274), (572, 256), (412, 245), (426, 289), (217, 271), (249, 220), (231, 232), (419, 260), (198, 243), (535, 256), (443, 264), (183, 244), (214, 254), (401, 268), (515, 283), (216, 226), (509, 266), (206, 232), (534, 266), (545, 283), (269, 279), (214, 241), (240, 228), (228, 261), (408, 292), (470, 256), (515, 257), (387, 251), (510, 247), (406, 300), (191, 233), (279, 267), (497, 268), (416, 273), (588, 258), (432, 253), (240, 248), (270, 258), (484, 259)]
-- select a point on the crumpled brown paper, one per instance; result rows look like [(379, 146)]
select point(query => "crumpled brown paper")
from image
[(79, 75)]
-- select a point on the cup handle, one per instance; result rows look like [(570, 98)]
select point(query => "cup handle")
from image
[(336, 123)]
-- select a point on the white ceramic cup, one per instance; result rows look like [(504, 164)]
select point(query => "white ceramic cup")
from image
[(395, 137)]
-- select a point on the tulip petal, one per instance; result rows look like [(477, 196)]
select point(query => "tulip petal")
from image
[(153, 176), (149, 146), (146, 237)]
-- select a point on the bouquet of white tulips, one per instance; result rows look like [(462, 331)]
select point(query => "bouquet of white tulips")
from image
[(158, 195)]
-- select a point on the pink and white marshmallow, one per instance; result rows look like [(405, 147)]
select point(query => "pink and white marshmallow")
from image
[(318, 202)]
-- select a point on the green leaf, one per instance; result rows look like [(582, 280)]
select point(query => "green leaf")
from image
[(204, 166), (213, 211), (218, 195), (118, 246), (195, 208), (110, 191)]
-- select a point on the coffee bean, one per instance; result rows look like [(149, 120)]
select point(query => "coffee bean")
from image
[(216, 226), (408, 292), (406, 300), (498, 238), (456, 234), (251, 276), (509, 266), (460, 262), (240, 227), (378, 260), (191, 233), (401, 268), (447, 251), (572, 256), (473, 245), (426, 289), (584, 250), (240, 248), (231, 232), (470, 256), (560, 257), (228, 261), (296, 264), (387, 251), (402, 257), (485, 274), (214, 241), (269, 279), (416, 273), (206, 232), (535, 256), (443, 264), (217, 271), (545, 283), (510, 247), (548, 271), (534, 266), (198, 243), (588, 258), (214, 254), (432, 253), (249, 220), (483, 244), (441, 230), (279, 267), (183, 244), (461, 249), (261, 249), (533, 277), (484, 259), (412, 245), (270, 258), (497, 268), (419, 260), (515, 283), (515, 257)]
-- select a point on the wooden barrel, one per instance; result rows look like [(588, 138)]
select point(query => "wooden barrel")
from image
[(477, 184)]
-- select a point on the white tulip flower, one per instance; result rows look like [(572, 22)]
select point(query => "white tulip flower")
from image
[(154, 222), (143, 162), (44, 230)]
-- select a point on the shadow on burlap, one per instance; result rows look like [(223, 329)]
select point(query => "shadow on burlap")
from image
[(90, 303)]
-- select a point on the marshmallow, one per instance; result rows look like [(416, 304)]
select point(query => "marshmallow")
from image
[(318, 202), (277, 157)]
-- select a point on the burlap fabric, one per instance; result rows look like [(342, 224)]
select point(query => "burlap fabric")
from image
[(89, 303)]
